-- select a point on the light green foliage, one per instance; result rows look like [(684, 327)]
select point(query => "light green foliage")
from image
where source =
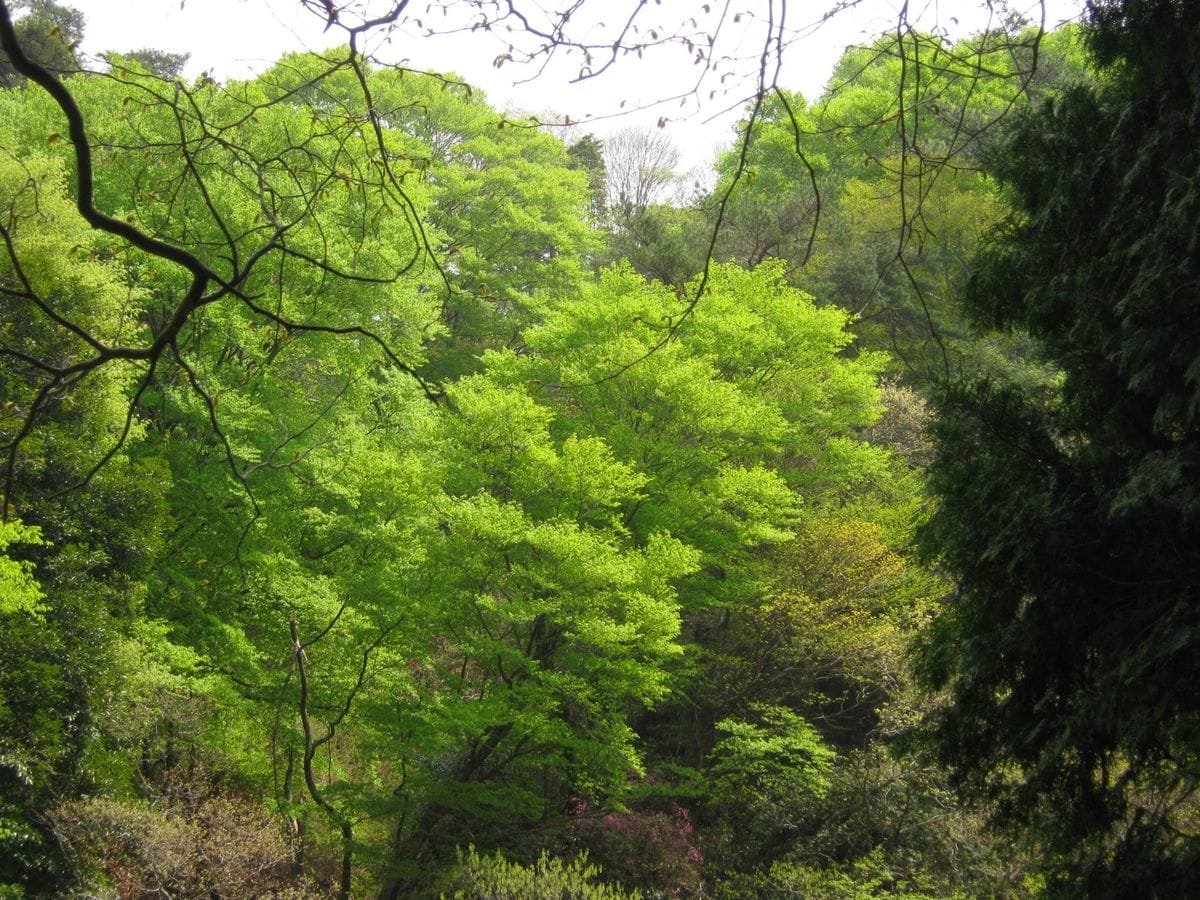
[(547, 879), (310, 482), (871, 194), (19, 590), (861, 880), (742, 426), (61, 264), (735, 422), (831, 638), (507, 215), (537, 627), (292, 497), (776, 204), (60, 288), (765, 773), (778, 759)]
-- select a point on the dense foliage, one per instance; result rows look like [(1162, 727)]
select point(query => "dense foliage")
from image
[(1070, 515), (399, 501)]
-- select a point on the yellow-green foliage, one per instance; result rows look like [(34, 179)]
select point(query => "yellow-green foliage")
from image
[(19, 590), (550, 878)]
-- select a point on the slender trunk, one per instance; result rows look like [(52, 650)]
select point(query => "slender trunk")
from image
[(295, 822), (311, 745)]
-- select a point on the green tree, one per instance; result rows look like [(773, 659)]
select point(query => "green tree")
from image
[(547, 879), (544, 628), (1071, 518), (49, 32), (60, 645), (510, 206), (587, 154), (765, 773), (742, 426), (748, 413), (157, 62), (872, 195)]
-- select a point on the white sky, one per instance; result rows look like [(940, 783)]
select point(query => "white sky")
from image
[(237, 38)]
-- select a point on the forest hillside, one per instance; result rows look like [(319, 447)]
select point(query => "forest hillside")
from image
[(403, 498)]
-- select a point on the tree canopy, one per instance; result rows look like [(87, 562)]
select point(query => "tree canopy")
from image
[(404, 497)]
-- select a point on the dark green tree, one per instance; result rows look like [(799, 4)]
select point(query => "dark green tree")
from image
[(48, 32), (162, 63), (1072, 516), (587, 154)]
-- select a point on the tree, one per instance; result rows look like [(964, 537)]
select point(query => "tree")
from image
[(548, 878), (1071, 518), (872, 193), (48, 33), (537, 625), (355, 490), (765, 773), (158, 62), (639, 166), (587, 154), (659, 237)]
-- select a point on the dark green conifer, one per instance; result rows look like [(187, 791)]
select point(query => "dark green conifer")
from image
[(1071, 514)]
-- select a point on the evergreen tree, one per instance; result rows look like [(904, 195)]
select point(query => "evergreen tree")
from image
[(1072, 516)]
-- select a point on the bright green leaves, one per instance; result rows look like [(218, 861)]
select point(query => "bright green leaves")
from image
[(770, 762), (592, 484), (724, 417), (19, 591), (503, 435), (548, 622), (506, 216), (504, 438), (57, 297), (554, 593), (246, 175), (767, 770), (549, 877), (773, 342)]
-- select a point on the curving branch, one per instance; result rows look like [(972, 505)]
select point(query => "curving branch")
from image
[(312, 744), (313, 741), (292, 181)]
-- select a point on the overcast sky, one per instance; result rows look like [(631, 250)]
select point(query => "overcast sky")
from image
[(237, 38)]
